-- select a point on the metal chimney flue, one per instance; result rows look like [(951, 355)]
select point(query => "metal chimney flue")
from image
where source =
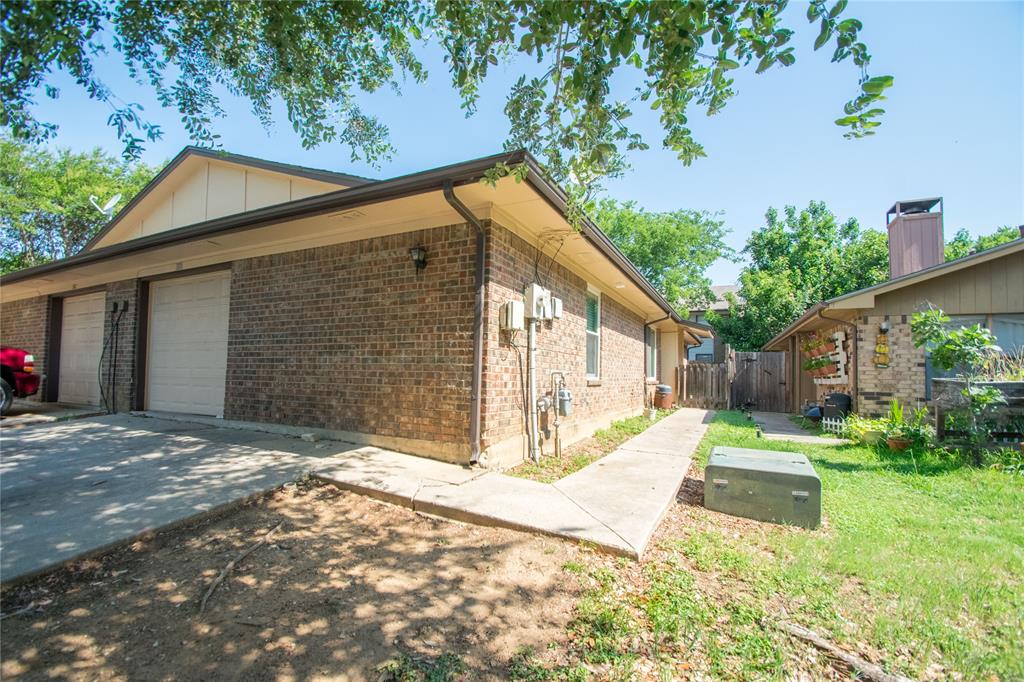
[(915, 236)]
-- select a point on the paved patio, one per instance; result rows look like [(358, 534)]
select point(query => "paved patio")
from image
[(614, 503), (73, 488)]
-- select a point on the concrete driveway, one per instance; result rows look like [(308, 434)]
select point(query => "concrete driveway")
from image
[(71, 488)]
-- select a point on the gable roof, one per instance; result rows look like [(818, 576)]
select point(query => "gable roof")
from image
[(343, 179), (344, 200), (864, 298)]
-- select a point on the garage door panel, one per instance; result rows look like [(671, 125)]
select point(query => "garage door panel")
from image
[(81, 344), (187, 362)]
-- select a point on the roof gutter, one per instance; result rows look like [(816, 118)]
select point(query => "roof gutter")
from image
[(478, 318)]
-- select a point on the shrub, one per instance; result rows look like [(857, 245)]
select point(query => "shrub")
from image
[(966, 349)]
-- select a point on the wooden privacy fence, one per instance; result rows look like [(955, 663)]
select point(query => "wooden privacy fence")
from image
[(754, 380), (704, 384)]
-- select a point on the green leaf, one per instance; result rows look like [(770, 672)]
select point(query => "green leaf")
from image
[(826, 33), (728, 64), (876, 85), (837, 9)]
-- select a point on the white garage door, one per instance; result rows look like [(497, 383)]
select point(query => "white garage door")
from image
[(188, 344), (81, 342)]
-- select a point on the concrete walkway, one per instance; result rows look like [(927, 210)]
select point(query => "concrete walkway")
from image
[(778, 426), (615, 503)]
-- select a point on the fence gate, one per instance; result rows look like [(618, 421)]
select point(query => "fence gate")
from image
[(759, 381)]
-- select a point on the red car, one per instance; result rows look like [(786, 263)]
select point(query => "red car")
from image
[(17, 376)]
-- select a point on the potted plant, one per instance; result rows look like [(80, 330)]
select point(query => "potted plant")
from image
[(898, 438), (828, 347), (901, 433), (864, 429)]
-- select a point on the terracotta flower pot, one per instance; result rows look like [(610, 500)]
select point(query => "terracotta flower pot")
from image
[(898, 444), (828, 348)]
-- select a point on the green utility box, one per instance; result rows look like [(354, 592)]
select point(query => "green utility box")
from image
[(781, 487)]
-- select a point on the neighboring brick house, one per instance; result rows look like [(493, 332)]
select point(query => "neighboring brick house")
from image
[(265, 292), (984, 288)]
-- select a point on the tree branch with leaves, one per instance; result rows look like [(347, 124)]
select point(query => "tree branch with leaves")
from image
[(318, 57)]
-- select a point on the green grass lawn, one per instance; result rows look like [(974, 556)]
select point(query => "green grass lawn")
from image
[(920, 570)]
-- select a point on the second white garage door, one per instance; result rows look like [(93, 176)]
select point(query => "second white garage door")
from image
[(188, 344), (81, 343)]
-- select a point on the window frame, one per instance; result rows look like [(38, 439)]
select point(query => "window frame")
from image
[(650, 353), (596, 295)]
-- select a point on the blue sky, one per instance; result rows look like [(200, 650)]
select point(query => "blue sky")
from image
[(954, 127)]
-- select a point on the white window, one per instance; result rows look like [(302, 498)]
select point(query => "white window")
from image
[(651, 352), (593, 334)]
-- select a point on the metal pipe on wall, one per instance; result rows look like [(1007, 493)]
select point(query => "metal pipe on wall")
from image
[(531, 361), (479, 272)]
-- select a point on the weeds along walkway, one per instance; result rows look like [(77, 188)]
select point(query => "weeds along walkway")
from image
[(614, 503)]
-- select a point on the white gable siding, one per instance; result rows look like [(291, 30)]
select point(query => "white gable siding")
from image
[(203, 189)]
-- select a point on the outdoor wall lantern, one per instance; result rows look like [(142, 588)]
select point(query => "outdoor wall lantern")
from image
[(419, 257)]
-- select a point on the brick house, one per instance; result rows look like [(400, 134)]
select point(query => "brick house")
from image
[(984, 288), (263, 292)]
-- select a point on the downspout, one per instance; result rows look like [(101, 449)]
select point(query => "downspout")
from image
[(644, 384), (853, 353), (478, 319)]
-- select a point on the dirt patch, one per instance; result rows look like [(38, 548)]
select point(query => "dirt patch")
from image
[(347, 584)]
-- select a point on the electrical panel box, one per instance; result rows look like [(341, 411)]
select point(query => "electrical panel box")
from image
[(538, 302), (765, 485), (556, 308), (512, 316)]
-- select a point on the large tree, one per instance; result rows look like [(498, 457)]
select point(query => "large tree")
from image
[(673, 249), (805, 257), (45, 207), (962, 244), (797, 259), (317, 56)]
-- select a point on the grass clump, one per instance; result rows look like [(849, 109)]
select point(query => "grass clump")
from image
[(604, 441), (409, 668)]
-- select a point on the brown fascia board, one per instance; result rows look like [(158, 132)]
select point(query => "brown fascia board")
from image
[(796, 324), (395, 188), (383, 190), (559, 201), (277, 167)]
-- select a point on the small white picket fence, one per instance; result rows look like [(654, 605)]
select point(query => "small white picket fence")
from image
[(832, 424)]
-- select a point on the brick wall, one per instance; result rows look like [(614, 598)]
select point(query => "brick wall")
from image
[(119, 387), (24, 324), (903, 379), (350, 337), (561, 346)]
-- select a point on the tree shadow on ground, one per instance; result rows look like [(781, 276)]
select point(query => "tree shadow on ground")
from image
[(346, 585)]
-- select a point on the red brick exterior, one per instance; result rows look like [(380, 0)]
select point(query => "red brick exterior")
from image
[(118, 364), (561, 346), (24, 324), (351, 337)]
